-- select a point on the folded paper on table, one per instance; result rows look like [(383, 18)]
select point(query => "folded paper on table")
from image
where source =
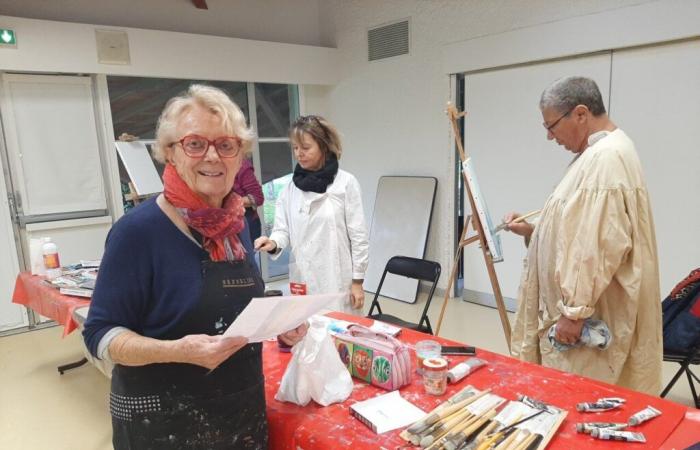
[(268, 317)]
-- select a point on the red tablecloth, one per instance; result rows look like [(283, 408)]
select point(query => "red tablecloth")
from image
[(332, 427), (33, 292), (314, 427)]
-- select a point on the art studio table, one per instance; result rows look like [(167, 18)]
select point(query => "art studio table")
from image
[(310, 427), (34, 292)]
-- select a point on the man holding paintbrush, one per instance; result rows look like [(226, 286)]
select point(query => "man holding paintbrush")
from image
[(593, 252)]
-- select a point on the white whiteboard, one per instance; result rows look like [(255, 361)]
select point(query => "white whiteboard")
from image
[(400, 224), (517, 167), (49, 124), (139, 166)]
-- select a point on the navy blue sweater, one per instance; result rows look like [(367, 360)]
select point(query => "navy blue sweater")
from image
[(149, 278)]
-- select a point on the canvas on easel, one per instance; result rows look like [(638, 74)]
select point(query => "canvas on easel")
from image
[(139, 165), (492, 239), (481, 223)]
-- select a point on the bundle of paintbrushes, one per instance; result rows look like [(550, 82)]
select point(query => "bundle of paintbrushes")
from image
[(527, 424), (471, 420), (451, 425)]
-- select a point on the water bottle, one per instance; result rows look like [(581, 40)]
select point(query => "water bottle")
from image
[(51, 262)]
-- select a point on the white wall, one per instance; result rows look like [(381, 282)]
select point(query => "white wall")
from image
[(391, 111), (47, 46)]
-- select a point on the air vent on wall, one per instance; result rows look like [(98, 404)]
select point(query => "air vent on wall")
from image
[(388, 40), (112, 47)]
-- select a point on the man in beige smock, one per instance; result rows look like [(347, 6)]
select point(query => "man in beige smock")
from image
[(593, 251)]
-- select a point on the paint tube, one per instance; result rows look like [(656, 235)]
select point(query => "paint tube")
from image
[(612, 399), (588, 427), (533, 403), (647, 413), (463, 369), (612, 435), (602, 404)]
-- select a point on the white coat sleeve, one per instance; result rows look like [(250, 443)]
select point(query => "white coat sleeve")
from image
[(356, 228), (280, 230)]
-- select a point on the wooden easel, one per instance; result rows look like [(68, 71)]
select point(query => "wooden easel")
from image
[(476, 224)]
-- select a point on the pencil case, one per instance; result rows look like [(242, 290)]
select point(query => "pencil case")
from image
[(376, 358)]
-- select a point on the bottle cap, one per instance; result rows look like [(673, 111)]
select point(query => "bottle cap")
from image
[(434, 364)]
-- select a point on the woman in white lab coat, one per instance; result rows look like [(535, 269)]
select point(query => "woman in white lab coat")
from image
[(319, 216)]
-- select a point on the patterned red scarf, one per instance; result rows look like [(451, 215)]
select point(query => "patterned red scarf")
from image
[(219, 226)]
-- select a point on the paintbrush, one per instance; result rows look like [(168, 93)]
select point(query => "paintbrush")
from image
[(441, 428), (502, 226), (525, 443), (460, 437), (422, 424), (441, 413)]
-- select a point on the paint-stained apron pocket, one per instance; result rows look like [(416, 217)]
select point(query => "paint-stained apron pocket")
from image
[(228, 421)]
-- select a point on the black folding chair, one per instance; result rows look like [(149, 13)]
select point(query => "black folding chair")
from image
[(685, 360), (419, 269)]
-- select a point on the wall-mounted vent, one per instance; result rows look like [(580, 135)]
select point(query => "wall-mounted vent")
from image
[(388, 40), (112, 47)]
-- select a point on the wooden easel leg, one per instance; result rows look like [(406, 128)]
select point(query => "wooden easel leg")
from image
[(451, 281), (500, 305), (134, 195)]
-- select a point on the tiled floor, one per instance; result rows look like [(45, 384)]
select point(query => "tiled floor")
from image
[(40, 409)]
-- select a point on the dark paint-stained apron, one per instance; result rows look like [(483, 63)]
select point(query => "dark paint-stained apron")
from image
[(184, 406)]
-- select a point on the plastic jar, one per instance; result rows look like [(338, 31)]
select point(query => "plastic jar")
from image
[(435, 376), (49, 250), (424, 350)]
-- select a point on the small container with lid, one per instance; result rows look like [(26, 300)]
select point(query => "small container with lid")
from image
[(435, 375), (426, 349), (51, 262)]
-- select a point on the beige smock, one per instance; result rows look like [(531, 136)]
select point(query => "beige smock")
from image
[(593, 254)]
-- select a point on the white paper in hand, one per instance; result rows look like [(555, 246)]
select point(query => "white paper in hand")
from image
[(268, 317)]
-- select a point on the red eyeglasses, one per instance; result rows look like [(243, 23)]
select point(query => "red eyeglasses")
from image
[(196, 146)]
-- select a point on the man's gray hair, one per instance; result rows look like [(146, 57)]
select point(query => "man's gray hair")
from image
[(567, 93)]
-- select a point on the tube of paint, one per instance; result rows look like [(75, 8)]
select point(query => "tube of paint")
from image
[(463, 369), (612, 399), (612, 435), (601, 405), (588, 427), (647, 413)]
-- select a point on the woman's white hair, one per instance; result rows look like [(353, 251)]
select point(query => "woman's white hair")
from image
[(213, 99)]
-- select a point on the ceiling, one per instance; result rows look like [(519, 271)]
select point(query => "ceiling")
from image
[(288, 21)]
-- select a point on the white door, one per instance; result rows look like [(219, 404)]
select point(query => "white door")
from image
[(53, 159), (11, 315), (655, 98)]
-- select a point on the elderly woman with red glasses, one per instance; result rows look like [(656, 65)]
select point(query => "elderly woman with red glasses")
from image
[(176, 272)]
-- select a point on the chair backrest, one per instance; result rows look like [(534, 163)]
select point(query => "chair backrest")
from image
[(420, 269)]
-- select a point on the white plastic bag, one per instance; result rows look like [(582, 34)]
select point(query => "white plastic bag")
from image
[(315, 371)]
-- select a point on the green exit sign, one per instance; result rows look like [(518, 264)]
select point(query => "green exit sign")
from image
[(8, 38)]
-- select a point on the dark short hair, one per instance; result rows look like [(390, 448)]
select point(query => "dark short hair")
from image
[(567, 93)]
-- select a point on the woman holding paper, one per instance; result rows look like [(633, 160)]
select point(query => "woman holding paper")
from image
[(319, 216), (176, 272)]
